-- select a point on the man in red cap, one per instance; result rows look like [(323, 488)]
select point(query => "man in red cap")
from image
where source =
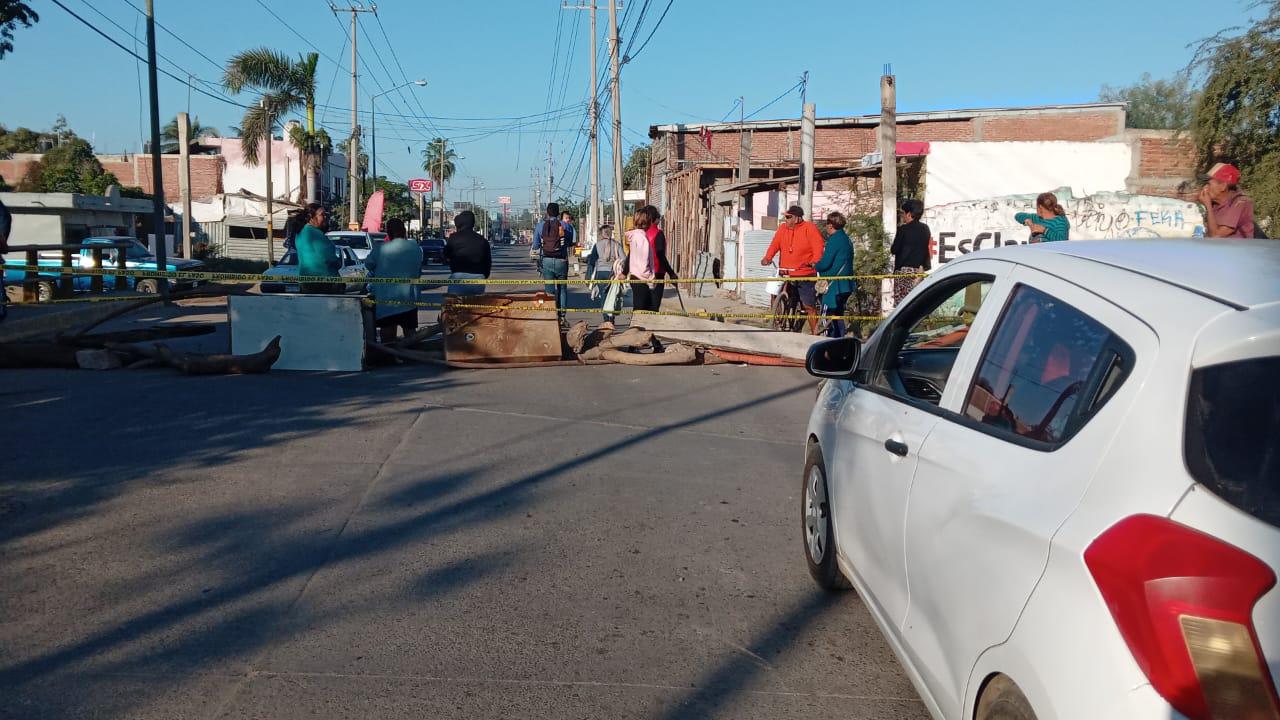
[(1228, 212), (800, 245)]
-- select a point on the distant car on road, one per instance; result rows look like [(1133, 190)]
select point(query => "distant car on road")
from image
[(1053, 477), (358, 240), (432, 249), (352, 268)]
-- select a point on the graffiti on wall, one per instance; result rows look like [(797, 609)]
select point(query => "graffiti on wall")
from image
[(964, 227)]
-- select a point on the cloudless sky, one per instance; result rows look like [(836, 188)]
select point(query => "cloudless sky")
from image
[(494, 59)]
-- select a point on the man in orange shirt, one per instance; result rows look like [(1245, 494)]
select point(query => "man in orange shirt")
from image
[(801, 246)]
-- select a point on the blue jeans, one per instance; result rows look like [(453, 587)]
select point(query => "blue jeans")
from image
[(557, 269), (467, 289)]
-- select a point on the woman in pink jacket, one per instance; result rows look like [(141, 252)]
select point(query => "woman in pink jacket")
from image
[(640, 270)]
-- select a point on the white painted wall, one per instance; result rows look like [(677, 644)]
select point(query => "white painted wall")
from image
[(958, 171), (286, 169), (963, 227)]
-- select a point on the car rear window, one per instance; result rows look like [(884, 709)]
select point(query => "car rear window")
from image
[(360, 242), (1232, 442)]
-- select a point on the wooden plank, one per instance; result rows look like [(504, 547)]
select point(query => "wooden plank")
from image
[(741, 338)]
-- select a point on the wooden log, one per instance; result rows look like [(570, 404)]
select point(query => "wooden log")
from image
[(671, 355), (196, 364)]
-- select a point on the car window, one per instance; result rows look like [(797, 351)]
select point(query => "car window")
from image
[(1047, 369), (290, 258), (359, 242), (925, 338), (1233, 419)]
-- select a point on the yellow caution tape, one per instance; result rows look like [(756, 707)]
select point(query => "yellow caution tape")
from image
[(54, 272)]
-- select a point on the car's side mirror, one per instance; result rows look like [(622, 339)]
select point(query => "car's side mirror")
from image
[(834, 359)]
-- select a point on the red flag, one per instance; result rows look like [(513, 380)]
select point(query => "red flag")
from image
[(706, 137), (373, 213)]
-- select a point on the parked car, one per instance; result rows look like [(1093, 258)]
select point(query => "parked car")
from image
[(352, 268), (358, 240), (137, 257), (1053, 476), (432, 249)]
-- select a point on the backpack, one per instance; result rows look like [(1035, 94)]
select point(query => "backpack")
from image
[(552, 242)]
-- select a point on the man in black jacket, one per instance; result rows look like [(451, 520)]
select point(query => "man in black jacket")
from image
[(468, 255)]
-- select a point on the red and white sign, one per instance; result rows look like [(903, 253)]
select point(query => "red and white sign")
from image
[(420, 185), (504, 200)]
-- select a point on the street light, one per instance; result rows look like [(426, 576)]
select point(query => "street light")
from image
[(373, 124)]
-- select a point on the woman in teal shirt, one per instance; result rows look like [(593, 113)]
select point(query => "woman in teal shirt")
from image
[(1049, 222), (837, 260), (317, 256)]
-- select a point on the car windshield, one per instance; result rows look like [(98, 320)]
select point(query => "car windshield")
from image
[(1233, 419), (358, 241)]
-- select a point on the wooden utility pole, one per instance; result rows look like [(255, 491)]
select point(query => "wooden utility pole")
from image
[(271, 230), (807, 124), (444, 144), (888, 172), (615, 63), (157, 176), (744, 144), (184, 180)]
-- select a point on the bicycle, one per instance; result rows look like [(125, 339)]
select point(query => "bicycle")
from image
[(785, 309)]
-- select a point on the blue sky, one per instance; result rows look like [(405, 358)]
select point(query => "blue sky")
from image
[(494, 59)]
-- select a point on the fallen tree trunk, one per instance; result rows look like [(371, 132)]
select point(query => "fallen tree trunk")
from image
[(195, 364), (671, 355)]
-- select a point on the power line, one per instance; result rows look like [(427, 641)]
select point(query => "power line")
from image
[(113, 41), (770, 104), (630, 56), (300, 36)]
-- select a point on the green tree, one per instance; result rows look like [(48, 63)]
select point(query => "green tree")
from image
[(13, 12), (438, 161), (19, 140), (169, 135), (287, 86), (636, 172), (363, 166), (1236, 118), (397, 201), (68, 168), (1155, 104)]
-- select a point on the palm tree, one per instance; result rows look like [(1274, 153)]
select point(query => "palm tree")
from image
[(287, 85), (197, 132), (437, 161)]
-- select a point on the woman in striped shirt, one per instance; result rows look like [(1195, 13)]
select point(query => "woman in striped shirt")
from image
[(1049, 222)]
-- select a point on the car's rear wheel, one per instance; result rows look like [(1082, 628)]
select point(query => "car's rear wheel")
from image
[(44, 292), (816, 526), (148, 287), (1002, 700)]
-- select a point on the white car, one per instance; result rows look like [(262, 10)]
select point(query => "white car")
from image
[(358, 240), (284, 272), (1053, 476)]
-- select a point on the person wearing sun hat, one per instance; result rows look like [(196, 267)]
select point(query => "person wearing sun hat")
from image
[(1228, 213)]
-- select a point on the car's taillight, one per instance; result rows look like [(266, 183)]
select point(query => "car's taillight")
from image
[(1183, 602)]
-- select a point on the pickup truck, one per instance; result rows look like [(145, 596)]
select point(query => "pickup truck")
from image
[(137, 257)]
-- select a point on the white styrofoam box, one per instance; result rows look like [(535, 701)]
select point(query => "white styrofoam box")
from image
[(317, 332)]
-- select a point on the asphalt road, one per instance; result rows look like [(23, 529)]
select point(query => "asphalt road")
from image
[(602, 542)]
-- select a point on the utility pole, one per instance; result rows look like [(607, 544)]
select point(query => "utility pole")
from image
[(353, 145), (440, 169), (550, 177), (184, 180), (593, 210), (807, 124), (888, 172), (615, 67), (157, 176), (271, 231)]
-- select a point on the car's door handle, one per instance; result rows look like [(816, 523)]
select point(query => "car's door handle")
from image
[(897, 447)]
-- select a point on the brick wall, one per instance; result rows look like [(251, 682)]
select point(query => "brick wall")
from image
[(206, 174), (1078, 126), (1163, 165)]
